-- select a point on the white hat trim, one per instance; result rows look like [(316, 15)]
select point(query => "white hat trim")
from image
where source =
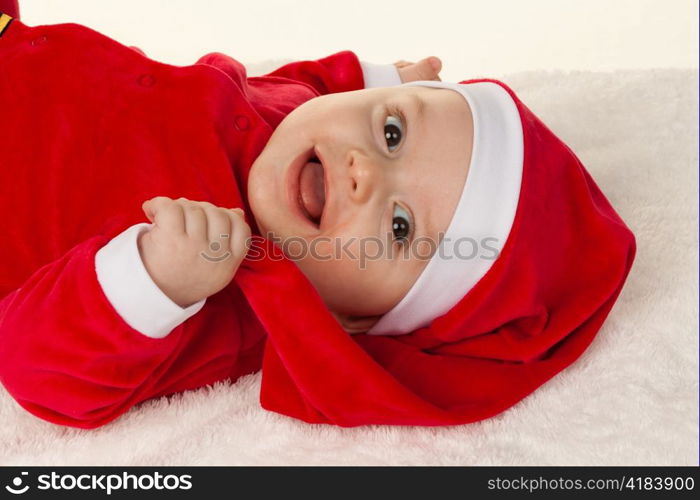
[(486, 209)]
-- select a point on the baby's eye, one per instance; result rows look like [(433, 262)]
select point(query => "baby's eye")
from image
[(401, 224), (393, 131)]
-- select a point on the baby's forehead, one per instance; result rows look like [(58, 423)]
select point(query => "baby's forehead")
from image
[(395, 90), (444, 99), (395, 93), (419, 89)]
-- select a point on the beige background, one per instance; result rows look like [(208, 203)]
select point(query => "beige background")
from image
[(474, 38)]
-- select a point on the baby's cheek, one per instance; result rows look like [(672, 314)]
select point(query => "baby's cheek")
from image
[(347, 258), (321, 249)]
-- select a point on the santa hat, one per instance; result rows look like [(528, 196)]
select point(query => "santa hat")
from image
[(482, 344)]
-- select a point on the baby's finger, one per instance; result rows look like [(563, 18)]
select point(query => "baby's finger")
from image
[(237, 212), (240, 233), (195, 221), (219, 228), (149, 206), (425, 70), (402, 63), (166, 214), (435, 63)]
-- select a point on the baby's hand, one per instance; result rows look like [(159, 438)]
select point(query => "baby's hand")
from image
[(425, 69), (194, 248)]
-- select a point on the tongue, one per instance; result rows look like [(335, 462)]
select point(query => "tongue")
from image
[(312, 189)]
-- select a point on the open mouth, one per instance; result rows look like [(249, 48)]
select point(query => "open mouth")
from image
[(311, 184)]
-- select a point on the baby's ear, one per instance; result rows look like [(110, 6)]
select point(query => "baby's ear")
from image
[(356, 324)]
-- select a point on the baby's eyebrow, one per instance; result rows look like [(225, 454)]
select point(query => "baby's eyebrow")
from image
[(420, 106), (423, 221)]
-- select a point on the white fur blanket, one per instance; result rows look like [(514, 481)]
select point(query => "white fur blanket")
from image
[(632, 398)]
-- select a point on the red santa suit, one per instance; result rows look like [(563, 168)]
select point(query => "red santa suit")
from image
[(90, 129)]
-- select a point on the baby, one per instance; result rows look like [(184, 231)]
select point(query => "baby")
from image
[(372, 189), (442, 224)]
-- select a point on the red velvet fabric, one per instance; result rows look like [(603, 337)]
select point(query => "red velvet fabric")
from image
[(10, 7), (91, 128)]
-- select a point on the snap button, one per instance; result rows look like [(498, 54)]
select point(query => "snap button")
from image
[(147, 80), (39, 40), (241, 122)]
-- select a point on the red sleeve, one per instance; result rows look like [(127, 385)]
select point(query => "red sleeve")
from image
[(339, 72), (10, 7), (68, 357)]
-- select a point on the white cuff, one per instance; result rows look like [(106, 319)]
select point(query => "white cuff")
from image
[(380, 75), (131, 290)]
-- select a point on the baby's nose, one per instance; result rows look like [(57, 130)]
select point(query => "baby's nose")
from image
[(364, 177)]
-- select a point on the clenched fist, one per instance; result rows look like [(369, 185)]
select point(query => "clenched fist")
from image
[(194, 248)]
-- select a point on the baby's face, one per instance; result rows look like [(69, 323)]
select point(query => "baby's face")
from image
[(363, 223)]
